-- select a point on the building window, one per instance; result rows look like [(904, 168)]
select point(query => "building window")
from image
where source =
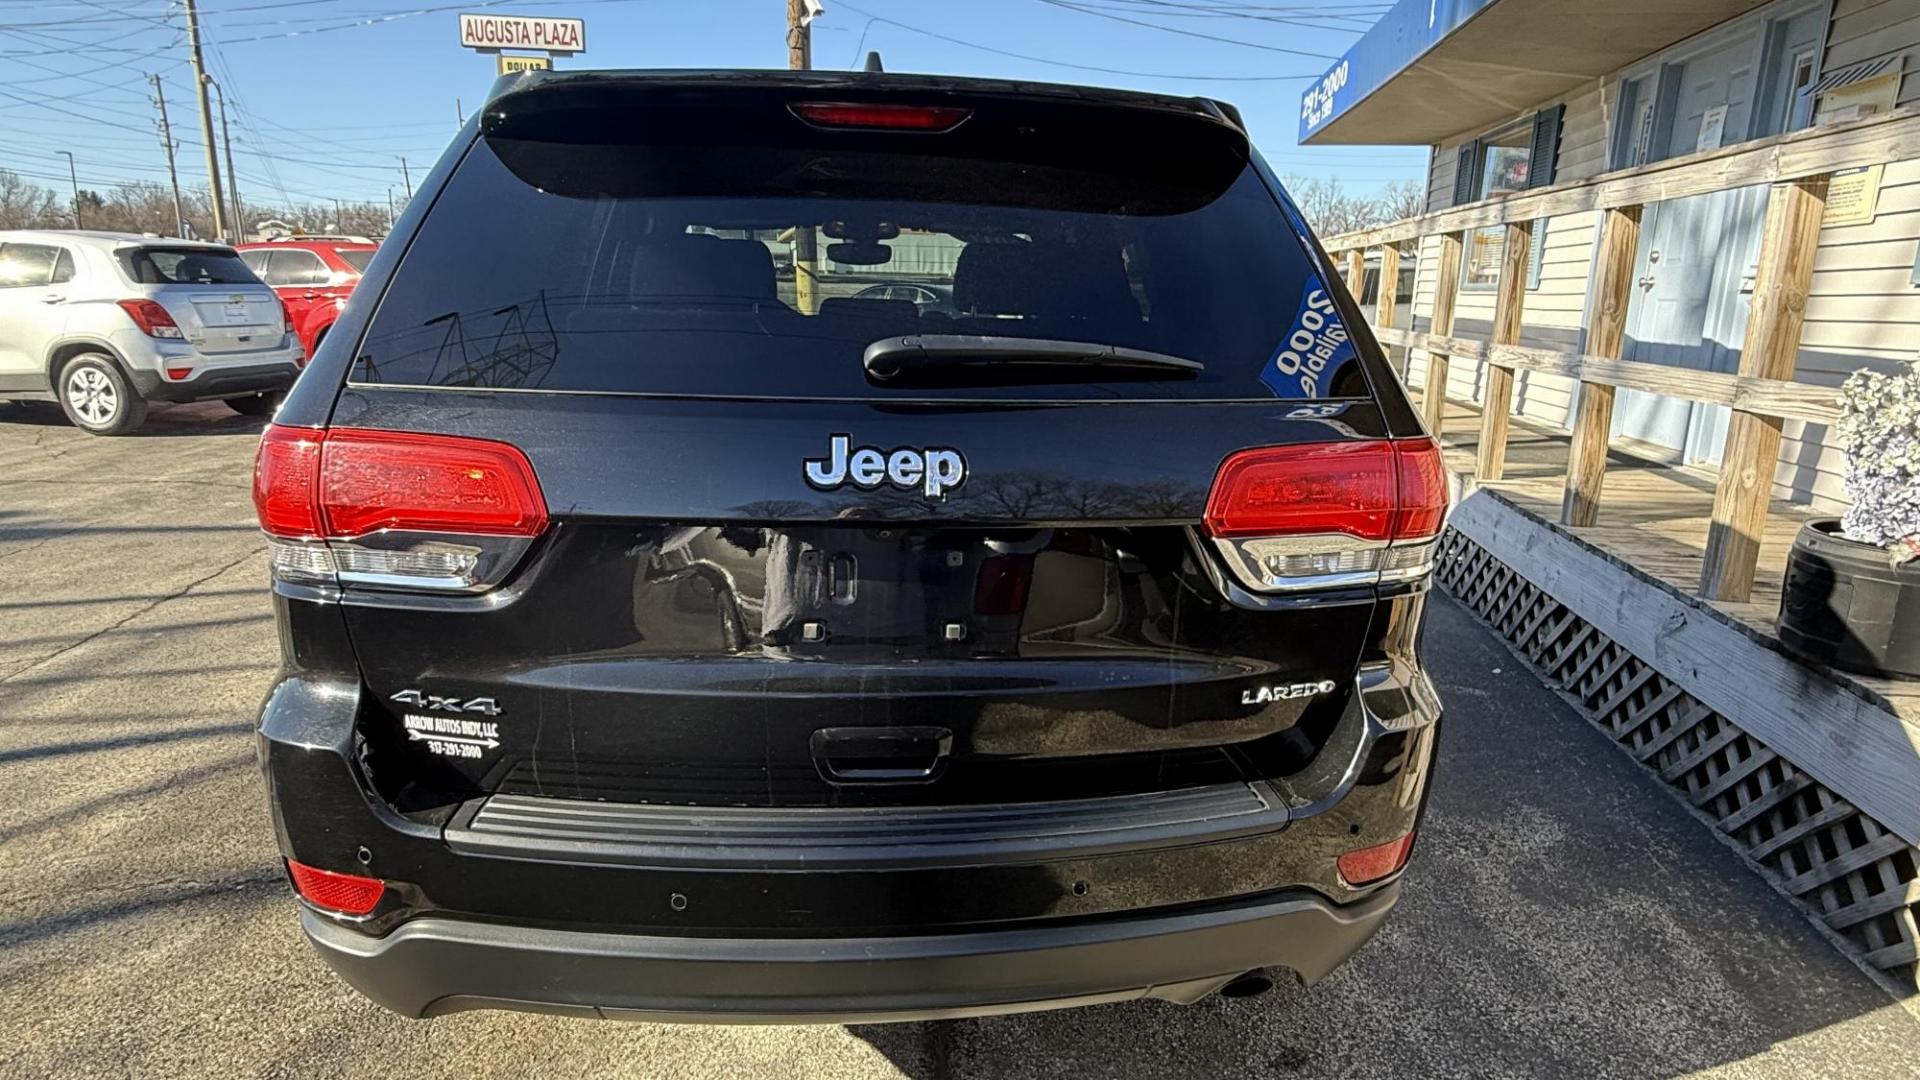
[(1513, 158), (1502, 164)]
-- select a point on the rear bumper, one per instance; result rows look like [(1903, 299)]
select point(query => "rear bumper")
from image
[(432, 966), (220, 382), (614, 910)]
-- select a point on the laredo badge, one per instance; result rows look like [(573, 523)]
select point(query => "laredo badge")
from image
[(1317, 346)]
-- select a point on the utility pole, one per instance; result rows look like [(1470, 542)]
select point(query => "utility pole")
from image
[(167, 143), (805, 251), (74, 179), (799, 35), (233, 177), (391, 216), (337, 217), (459, 114), (407, 176), (200, 81)]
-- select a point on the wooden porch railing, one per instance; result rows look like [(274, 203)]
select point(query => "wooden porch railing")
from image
[(1761, 393)]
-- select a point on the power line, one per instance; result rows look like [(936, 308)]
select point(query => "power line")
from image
[(1309, 18), (951, 40), (374, 20), (1068, 5)]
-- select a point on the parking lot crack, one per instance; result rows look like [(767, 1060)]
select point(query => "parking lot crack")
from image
[(130, 616)]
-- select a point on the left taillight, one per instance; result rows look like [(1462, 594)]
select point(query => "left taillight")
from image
[(152, 319), (344, 894), (394, 510), (1329, 514)]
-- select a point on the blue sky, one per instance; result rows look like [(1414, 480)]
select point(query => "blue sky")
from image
[(327, 95)]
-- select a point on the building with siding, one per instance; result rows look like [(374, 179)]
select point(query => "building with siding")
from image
[(1518, 94)]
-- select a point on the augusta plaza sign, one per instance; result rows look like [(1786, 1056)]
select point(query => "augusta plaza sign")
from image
[(491, 33)]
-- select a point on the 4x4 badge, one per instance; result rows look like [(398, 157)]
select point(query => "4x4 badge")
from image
[(934, 470), (485, 706)]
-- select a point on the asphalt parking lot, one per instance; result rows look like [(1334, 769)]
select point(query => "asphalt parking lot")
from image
[(1564, 918)]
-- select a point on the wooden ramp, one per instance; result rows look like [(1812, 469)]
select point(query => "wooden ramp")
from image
[(1654, 518), (1815, 778)]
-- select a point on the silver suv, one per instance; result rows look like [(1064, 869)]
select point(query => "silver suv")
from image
[(104, 323)]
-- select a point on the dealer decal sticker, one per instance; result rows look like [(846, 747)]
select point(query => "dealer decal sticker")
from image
[(1315, 348), (453, 736)]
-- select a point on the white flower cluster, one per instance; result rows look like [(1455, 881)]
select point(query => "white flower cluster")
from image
[(1880, 434)]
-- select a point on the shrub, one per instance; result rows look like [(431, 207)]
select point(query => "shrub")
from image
[(1879, 433)]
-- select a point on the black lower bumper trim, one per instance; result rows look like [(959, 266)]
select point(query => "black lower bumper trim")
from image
[(822, 838), (218, 382), (432, 966)]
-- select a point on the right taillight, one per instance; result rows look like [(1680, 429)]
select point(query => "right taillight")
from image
[(1320, 515), (152, 319), (1369, 864), (396, 510)]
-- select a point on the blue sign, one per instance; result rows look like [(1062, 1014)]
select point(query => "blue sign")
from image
[(1402, 36), (1314, 350)]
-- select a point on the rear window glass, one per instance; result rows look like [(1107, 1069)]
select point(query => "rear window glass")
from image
[(743, 253), (356, 259), (185, 266)]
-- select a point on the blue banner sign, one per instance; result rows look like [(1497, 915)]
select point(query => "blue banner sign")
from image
[(1401, 36)]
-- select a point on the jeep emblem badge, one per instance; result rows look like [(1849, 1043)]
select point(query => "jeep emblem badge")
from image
[(934, 470)]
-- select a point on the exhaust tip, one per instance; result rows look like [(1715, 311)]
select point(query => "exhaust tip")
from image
[(1252, 984)]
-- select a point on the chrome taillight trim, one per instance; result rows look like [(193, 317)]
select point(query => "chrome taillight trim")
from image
[(480, 562), (1248, 569)]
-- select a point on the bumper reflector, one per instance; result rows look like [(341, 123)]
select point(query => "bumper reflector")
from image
[(1370, 864), (348, 894)]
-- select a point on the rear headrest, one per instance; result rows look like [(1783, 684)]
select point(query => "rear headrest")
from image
[(860, 307), (1048, 280), (700, 264)]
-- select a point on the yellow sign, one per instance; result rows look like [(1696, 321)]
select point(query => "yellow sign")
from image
[(1853, 195), (512, 65)]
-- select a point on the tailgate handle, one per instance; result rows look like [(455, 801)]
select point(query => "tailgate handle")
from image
[(880, 755)]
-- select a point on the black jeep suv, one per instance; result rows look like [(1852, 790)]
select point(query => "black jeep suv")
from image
[(671, 631)]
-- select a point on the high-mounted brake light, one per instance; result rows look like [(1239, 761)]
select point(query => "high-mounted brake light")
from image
[(347, 894), (1315, 515), (880, 117), (394, 509), (152, 319)]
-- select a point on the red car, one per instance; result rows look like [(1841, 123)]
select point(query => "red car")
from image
[(313, 275)]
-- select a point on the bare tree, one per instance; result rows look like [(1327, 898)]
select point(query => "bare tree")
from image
[(28, 206), (1402, 199), (148, 208), (1332, 209)]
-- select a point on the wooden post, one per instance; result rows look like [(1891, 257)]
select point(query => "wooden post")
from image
[(1774, 321), (1613, 291), (1357, 273), (1446, 289), (1383, 309), (1507, 310)]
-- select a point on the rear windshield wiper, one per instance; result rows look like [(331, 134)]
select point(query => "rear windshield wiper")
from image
[(919, 359)]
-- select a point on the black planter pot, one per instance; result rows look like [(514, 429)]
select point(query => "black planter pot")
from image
[(1843, 605)]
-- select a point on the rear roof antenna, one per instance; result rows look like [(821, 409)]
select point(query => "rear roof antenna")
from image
[(873, 61)]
